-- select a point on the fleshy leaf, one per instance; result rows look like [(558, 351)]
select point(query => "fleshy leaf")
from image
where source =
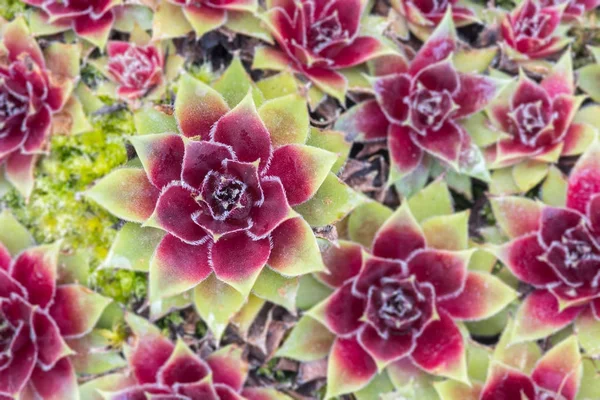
[(286, 119), (435, 199), (447, 232), (133, 247), (350, 368), (217, 303), (150, 120), (126, 193), (516, 215), (333, 141), (14, 236), (197, 107), (76, 309), (294, 249), (483, 296), (539, 316), (302, 169), (588, 332), (365, 221), (309, 340), (235, 83), (276, 288), (332, 202)]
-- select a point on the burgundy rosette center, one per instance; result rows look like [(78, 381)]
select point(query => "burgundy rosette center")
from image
[(430, 109)]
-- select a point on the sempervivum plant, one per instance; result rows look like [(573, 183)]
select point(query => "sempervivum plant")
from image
[(555, 250), (38, 318), (399, 307), (90, 19), (529, 32), (419, 106), (556, 375), (228, 193), (423, 16), (138, 68), (537, 125), (34, 87), (175, 18), (318, 38), (521, 371), (575, 10), (162, 370)]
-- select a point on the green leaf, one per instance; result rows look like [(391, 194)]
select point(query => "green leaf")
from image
[(479, 128), (334, 141), (149, 120), (286, 119), (14, 236), (309, 341), (217, 303), (503, 183), (365, 221), (311, 292), (244, 319), (73, 268), (133, 247), (126, 193), (94, 354), (356, 78), (528, 174), (590, 381), (235, 83), (433, 200), (169, 22), (589, 80), (554, 189), (278, 85), (277, 288), (162, 307), (447, 232), (332, 202), (378, 385), (247, 24), (588, 333), (469, 59)]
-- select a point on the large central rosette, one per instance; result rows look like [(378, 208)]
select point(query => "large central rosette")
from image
[(222, 191)]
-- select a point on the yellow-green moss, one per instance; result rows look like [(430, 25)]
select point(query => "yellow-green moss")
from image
[(56, 209), (122, 285), (11, 8)]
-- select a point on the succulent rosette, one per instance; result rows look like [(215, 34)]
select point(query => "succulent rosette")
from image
[(589, 76), (159, 369), (319, 38), (529, 32), (419, 108), (520, 371), (537, 124), (175, 18), (575, 10), (232, 193), (38, 318), (90, 19), (556, 375), (390, 309), (138, 68), (555, 250), (423, 16), (34, 87)]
